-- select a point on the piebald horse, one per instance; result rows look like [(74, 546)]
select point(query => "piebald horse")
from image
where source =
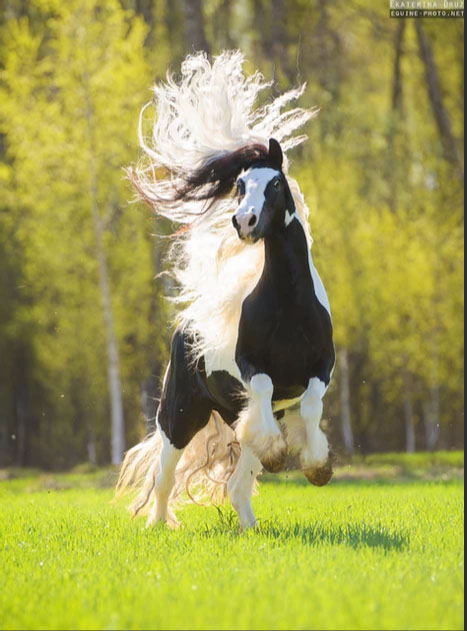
[(244, 359)]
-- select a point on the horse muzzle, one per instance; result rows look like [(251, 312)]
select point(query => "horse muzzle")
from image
[(245, 224)]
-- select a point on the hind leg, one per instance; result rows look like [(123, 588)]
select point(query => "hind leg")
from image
[(165, 480), (240, 486), (184, 409)]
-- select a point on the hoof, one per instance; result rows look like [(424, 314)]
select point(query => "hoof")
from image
[(275, 462), (319, 476), (272, 453)]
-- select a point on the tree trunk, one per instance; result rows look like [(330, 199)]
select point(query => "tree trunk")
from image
[(20, 435), (408, 417), (113, 364), (397, 102), (261, 24), (92, 455), (431, 412), (280, 38), (346, 419), (394, 164), (195, 25), (147, 10), (441, 115), (4, 444), (431, 419)]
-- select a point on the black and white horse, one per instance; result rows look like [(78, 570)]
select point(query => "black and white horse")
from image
[(243, 357)]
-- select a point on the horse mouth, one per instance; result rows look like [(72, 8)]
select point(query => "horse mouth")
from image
[(250, 238)]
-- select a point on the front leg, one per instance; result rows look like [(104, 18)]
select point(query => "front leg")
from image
[(315, 455), (257, 426)]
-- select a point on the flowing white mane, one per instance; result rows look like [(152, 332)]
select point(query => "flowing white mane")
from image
[(209, 113)]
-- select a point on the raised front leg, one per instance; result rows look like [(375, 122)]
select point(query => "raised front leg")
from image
[(315, 455), (241, 486), (258, 428)]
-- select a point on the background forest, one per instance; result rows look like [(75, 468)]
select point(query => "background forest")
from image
[(84, 327)]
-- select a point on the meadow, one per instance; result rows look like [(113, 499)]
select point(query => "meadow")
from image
[(381, 547)]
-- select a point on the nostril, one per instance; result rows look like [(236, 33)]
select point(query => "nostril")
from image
[(252, 221), (235, 222)]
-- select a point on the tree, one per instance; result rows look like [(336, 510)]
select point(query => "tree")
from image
[(68, 126)]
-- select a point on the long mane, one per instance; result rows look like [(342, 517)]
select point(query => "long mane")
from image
[(207, 130)]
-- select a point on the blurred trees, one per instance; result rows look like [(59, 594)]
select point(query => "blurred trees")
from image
[(83, 327)]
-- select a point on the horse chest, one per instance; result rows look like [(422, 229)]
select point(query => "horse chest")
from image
[(288, 333), (284, 331)]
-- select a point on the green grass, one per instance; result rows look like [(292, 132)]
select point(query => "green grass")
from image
[(358, 554)]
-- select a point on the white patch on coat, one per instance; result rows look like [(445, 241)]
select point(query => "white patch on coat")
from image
[(165, 480), (289, 218), (257, 426), (256, 181), (240, 486), (320, 292)]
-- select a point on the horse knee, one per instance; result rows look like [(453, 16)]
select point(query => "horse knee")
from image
[(262, 386)]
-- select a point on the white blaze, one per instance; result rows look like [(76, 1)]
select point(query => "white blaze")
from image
[(256, 181)]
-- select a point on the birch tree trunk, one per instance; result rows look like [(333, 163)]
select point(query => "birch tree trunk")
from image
[(431, 419), (92, 455), (431, 408), (346, 419), (113, 363)]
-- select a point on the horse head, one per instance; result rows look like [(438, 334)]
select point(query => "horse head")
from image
[(265, 203)]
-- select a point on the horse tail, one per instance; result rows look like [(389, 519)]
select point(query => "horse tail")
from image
[(207, 464), (139, 469), (201, 475)]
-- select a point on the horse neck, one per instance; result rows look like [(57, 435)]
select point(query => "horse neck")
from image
[(286, 262)]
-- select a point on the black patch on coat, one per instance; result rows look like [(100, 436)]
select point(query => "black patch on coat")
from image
[(189, 396), (284, 330)]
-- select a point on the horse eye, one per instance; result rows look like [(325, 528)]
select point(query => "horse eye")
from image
[(276, 183)]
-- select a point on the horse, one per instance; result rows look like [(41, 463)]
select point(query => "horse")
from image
[(252, 353)]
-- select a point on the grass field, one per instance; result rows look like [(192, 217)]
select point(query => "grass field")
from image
[(381, 547)]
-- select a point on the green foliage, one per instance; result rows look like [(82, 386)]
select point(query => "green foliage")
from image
[(386, 210), (72, 96), (350, 556)]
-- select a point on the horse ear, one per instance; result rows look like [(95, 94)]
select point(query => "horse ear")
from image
[(275, 153)]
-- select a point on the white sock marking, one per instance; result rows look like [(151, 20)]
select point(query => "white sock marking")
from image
[(257, 426), (316, 451), (241, 484), (165, 479)]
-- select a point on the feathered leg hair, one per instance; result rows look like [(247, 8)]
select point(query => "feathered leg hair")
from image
[(201, 475)]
